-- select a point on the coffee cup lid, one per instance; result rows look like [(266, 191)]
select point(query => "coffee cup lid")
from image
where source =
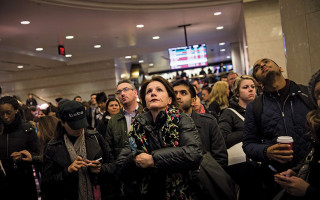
[(284, 139)]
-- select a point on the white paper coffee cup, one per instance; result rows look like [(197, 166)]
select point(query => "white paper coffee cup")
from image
[(285, 140)]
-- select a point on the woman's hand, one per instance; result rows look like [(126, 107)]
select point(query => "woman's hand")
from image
[(94, 165), (26, 156), (295, 186), (76, 165), (144, 160), (17, 156), (280, 153), (288, 173)]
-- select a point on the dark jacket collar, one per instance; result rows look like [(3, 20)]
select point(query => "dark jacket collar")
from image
[(291, 86), (196, 118)]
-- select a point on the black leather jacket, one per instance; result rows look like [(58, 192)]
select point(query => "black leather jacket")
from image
[(186, 156)]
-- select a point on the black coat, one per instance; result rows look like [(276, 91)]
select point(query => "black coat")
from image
[(214, 108), (231, 126), (103, 124), (57, 183), (19, 182), (211, 138), (186, 156)]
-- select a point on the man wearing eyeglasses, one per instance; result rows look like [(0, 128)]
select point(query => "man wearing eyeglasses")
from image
[(119, 124)]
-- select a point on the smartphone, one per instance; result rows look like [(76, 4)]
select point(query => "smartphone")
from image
[(96, 160), (273, 169)]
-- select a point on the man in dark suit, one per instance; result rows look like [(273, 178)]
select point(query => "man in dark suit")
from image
[(211, 138)]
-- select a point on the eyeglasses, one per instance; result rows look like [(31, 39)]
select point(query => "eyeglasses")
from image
[(125, 90)]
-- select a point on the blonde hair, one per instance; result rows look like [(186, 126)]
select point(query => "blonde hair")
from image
[(219, 93), (237, 83)]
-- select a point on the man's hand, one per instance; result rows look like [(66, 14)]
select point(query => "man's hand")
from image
[(280, 153), (144, 160)]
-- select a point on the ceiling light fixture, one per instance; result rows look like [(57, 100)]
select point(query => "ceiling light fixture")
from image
[(39, 49), (222, 43), (69, 37), (217, 13), (222, 50), (25, 22), (151, 64), (219, 27), (97, 46), (228, 57), (156, 37), (127, 57), (141, 61), (140, 26), (20, 67), (68, 55)]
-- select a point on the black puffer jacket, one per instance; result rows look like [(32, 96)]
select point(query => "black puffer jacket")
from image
[(231, 126), (19, 182), (186, 156)]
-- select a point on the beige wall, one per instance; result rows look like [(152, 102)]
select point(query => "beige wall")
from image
[(301, 27), (264, 31), (66, 82)]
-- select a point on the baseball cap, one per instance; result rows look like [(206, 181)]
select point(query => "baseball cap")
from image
[(73, 112)]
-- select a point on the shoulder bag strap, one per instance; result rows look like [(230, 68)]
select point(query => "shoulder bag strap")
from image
[(238, 114)]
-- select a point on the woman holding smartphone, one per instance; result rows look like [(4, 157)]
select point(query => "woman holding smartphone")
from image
[(302, 182), (77, 161)]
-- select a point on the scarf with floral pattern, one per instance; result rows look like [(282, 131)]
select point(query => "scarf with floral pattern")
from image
[(176, 183)]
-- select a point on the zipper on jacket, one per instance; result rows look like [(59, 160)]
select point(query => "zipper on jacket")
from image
[(7, 146), (282, 113), (292, 111)]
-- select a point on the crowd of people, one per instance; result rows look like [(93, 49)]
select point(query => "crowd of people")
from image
[(155, 143)]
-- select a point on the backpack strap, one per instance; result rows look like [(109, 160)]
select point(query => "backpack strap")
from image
[(257, 110), (258, 103), (303, 94)]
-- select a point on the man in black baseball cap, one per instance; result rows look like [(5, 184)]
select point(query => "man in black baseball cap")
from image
[(73, 113)]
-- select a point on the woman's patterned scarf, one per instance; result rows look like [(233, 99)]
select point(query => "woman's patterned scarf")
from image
[(176, 183), (170, 131)]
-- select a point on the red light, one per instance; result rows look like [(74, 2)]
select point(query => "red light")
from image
[(61, 50)]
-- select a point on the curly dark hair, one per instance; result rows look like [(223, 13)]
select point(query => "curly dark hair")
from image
[(10, 100), (101, 97)]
